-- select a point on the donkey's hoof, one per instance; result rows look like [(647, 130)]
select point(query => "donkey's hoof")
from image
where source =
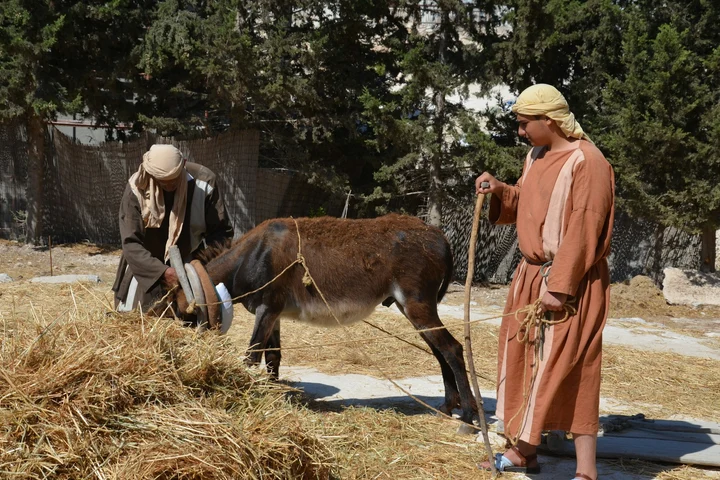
[(467, 429)]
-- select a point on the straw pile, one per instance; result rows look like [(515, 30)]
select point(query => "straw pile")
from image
[(640, 297), (85, 394), (90, 394)]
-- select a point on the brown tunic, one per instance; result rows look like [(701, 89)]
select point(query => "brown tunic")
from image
[(563, 207), (143, 249)]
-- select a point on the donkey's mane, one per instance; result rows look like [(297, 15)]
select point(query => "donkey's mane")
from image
[(214, 250)]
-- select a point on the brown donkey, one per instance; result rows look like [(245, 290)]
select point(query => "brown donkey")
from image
[(357, 264)]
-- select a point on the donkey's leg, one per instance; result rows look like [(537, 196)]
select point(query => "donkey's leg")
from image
[(424, 315), (452, 397), (265, 320), (272, 357)]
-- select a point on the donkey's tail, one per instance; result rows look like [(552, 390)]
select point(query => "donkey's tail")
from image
[(448, 272)]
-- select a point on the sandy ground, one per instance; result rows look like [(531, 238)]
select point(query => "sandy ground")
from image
[(367, 391), (362, 390), (640, 318), (22, 262)]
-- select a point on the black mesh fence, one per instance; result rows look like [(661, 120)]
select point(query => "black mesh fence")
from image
[(496, 250), (83, 185), (13, 181), (639, 247)]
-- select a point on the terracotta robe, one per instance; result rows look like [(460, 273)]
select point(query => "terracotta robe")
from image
[(563, 207)]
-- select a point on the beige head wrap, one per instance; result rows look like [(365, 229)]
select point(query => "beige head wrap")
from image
[(543, 99), (161, 163)]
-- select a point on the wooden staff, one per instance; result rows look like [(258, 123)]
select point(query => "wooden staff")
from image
[(468, 341)]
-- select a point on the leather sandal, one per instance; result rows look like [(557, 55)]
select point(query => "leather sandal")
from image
[(582, 476), (504, 464)]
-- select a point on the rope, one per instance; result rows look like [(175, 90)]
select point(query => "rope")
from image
[(535, 322), (300, 259), (309, 280), (395, 335)]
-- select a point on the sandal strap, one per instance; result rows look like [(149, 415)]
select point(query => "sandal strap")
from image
[(583, 476), (523, 460), (502, 462)]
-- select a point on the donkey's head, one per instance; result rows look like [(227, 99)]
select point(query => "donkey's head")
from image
[(182, 292)]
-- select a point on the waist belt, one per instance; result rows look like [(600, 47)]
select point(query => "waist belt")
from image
[(533, 262), (544, 266)]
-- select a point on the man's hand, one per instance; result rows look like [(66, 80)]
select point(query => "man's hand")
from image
[(553, 302), (170, 277), (496, 186)]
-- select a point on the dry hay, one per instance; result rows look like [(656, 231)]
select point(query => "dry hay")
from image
[(390, 445), (642, 298), (89, 393), (665, 384), (100, 395), (122, 397)]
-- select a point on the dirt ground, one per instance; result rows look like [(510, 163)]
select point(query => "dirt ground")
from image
[(638, 298), (22, 262)]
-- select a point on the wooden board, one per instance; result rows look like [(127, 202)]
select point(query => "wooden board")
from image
[(677, 426), (691, 437), (646, 449), (672, 441)]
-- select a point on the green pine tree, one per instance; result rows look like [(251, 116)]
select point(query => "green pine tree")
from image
[(65, 57), (440, 49), (660, 123)]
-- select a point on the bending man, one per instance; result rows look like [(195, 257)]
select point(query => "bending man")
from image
[(563, 208), (166, 202)]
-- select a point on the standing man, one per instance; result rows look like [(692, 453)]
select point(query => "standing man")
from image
[(166, 202), (563, 208)]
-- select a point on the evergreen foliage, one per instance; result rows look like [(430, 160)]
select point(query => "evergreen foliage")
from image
[(642, 77), (69, 57), (659, 118), (368, 95)]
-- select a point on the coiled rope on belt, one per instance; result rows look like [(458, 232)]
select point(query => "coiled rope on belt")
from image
[(531, 334)]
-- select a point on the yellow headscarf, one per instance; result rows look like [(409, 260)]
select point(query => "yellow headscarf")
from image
[(161, 163), (543, 99)]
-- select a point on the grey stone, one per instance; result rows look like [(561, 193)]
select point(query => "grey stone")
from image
[(5, 278), (691, 288), (67, 279)]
